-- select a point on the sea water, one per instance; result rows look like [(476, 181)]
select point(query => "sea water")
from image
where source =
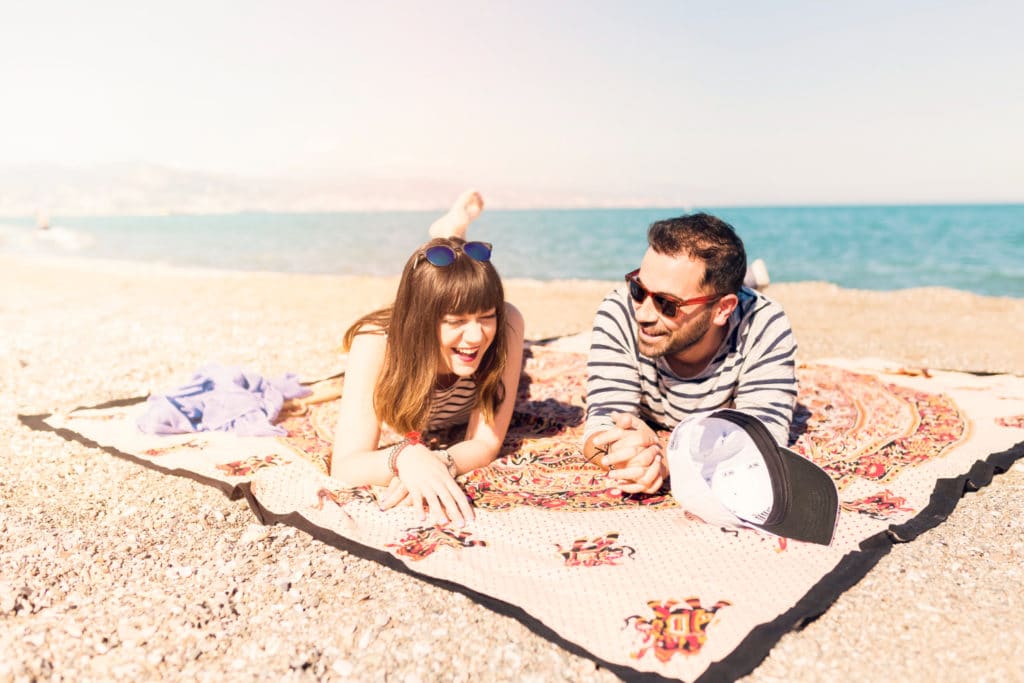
[(978, 248)]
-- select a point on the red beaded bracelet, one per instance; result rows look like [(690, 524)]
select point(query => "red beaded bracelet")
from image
[(411, 438), (393, 456)]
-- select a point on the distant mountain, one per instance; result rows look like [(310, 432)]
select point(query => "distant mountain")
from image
[(140, 188), (149, 189)]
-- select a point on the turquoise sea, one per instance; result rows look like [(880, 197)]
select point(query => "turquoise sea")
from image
[(978, 248)]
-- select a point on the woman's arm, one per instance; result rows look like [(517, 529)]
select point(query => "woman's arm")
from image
[(355, 459), (422, 473), (427, 481)]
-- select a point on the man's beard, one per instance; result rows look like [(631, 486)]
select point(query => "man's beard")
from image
[(680, 340)]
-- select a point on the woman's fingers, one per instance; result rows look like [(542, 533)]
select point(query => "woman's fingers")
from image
[(451, 505), (419, 503), (436, 509), (459, 508), (442, 504), (395, 493)]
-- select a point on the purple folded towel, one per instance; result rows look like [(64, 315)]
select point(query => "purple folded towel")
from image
[(222, 399)]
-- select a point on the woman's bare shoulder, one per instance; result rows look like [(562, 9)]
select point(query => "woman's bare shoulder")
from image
[(514, 316), (372, 328), (371, 338)]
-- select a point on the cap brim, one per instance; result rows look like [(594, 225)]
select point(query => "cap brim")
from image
[(814, 515)]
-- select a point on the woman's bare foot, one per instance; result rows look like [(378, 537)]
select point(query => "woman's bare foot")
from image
[(466, 208), (757, 276)]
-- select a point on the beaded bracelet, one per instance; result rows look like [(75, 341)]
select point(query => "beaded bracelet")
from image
[(393, 456), (411, 438)]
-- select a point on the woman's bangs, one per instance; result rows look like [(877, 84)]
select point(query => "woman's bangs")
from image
[(474, 290)]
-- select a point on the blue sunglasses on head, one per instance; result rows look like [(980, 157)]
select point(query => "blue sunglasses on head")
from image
[(442, 255)]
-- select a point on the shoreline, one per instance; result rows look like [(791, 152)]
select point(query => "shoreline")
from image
[(934, 327), (112, 571)]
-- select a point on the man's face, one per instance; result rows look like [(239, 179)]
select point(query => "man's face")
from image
[(680, 277)]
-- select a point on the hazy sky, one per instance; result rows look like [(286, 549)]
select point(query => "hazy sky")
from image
[(719, 102)]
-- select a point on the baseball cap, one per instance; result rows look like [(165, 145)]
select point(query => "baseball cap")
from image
[(726, 468)]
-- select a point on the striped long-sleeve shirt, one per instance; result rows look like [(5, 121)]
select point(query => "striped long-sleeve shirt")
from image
[(754, 370)]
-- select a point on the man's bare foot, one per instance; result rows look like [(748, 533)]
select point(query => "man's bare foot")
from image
[(466, 208)]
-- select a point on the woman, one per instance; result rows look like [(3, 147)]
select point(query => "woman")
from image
[(447, 352)]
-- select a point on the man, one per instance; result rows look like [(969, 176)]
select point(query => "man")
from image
[(683, 337)]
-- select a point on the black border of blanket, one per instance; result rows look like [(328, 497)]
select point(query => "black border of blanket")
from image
[(744, 658)]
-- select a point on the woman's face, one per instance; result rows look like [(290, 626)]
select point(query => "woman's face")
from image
[(464, 339)]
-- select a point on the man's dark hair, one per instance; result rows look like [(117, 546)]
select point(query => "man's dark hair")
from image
[(706, 238)]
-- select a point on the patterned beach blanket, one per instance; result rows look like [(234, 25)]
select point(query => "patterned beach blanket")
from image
[(631, 581)]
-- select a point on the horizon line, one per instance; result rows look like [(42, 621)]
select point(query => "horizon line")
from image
[(688, 208)]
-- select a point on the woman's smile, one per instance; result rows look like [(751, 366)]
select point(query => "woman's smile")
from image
[(465, 337)]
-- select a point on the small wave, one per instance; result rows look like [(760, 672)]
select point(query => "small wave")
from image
[(62, 238)]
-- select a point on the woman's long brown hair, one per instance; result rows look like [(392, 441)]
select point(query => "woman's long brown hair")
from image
[(412, 355)]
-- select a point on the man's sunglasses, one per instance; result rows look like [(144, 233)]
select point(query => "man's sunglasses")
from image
[(666, 304), (442, 255)]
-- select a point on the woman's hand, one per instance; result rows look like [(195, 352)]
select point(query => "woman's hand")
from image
[(430, 487), (394, 494)]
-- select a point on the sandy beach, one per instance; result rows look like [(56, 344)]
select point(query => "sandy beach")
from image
[(111, 571)]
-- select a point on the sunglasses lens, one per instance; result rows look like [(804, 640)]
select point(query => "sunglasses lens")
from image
[(478, 251), (667, 308), (637, 292), (440, 256)]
